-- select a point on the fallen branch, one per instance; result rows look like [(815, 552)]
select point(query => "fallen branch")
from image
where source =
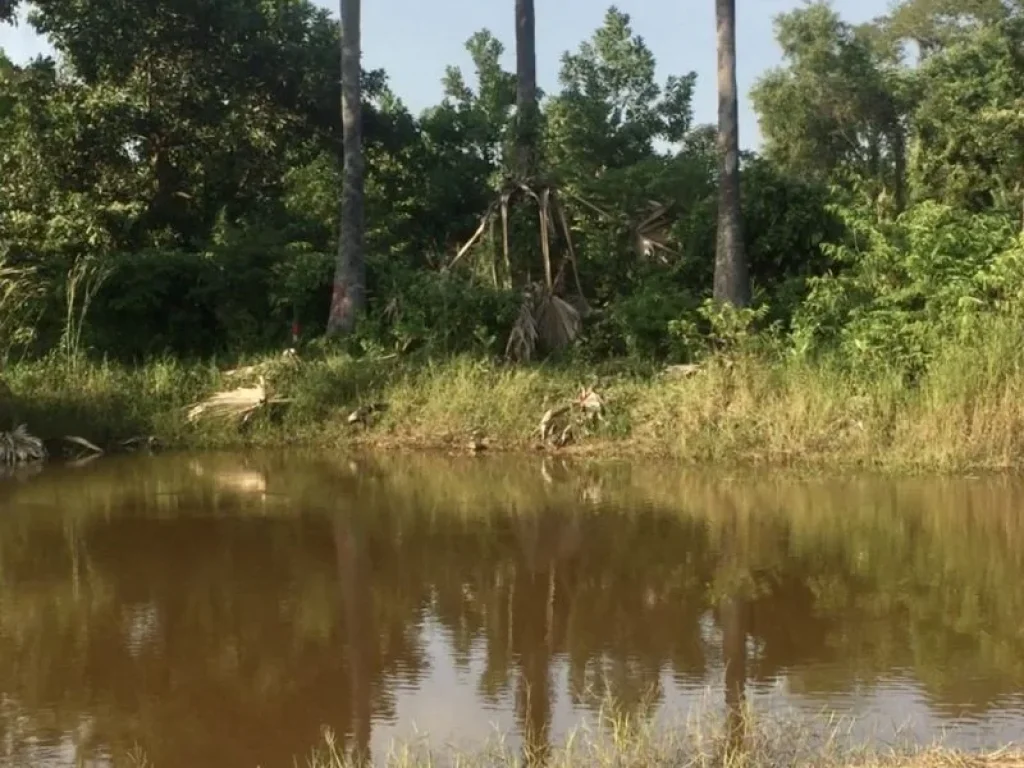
[(82, 442), (471, 242)]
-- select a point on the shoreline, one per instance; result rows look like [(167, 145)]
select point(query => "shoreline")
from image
[(749, 412)]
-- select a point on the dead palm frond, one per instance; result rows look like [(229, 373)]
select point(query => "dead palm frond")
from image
[(241, 402), (18, 447), (551, 216), (652, 232), (545, 317), (558, 322), (522, 340), (544, 320), (649, 228)]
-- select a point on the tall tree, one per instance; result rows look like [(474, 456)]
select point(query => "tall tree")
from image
[(349, 296), (526, 90), (732, 281), (837, 112)]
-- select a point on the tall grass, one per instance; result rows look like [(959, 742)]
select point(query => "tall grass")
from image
[(965, 412), (701, 740), (19, 291)]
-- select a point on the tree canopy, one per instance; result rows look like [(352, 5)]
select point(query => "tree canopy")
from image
[(170, 184)]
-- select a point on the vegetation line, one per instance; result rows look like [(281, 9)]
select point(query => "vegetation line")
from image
[(746, 408)]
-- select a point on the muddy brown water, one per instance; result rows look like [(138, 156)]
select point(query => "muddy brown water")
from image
[(219, 610)]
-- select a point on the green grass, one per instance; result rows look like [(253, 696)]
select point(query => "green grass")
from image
[(966, 412)]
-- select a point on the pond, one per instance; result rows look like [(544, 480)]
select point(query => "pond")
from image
[(220, 609)]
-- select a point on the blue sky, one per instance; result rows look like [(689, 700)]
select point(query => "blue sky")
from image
[(414, 40)]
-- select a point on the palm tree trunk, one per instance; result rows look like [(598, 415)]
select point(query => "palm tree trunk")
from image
[(349, 296), (526, 90), (732, 281)]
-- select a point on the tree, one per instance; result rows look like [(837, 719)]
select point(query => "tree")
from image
[(349, 296), (835, 114), (526, 90), (732, 282), (967, 148)]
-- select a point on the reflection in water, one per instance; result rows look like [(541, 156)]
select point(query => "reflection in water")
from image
[(219, 610)]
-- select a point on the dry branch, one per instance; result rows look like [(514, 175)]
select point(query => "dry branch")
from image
[(83, 443), (471, 242)]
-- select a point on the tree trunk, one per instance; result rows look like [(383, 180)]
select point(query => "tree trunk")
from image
[(732, 281), (349, 296), (527, 115)]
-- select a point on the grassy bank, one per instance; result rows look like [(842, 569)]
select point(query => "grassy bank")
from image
[(967, 412)]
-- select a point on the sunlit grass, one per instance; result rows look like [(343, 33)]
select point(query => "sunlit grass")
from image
[(965, 412), (702, 740), (705, 738)]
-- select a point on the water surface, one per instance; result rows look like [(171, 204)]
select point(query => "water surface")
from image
[(220, 609)]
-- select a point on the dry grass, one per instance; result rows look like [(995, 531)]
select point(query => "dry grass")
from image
[(702, 741)]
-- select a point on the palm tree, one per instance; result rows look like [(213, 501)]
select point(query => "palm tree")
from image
[(526, 90), (349, 296), (732, 280)]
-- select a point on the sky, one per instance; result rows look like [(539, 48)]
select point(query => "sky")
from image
[(414, 40)]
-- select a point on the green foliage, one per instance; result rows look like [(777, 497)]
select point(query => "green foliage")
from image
[(189, 159), (911, 286), (442, 314), (969, 148)]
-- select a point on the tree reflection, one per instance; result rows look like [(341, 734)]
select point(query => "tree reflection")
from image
[(354, 579), (213, 625)]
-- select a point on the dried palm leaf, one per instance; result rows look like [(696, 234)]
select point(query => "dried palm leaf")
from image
[(595, 208), (543, 211), (18, 447), (522, 340), (564, 221), (230, 402), (242, 402), (558, 322)]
